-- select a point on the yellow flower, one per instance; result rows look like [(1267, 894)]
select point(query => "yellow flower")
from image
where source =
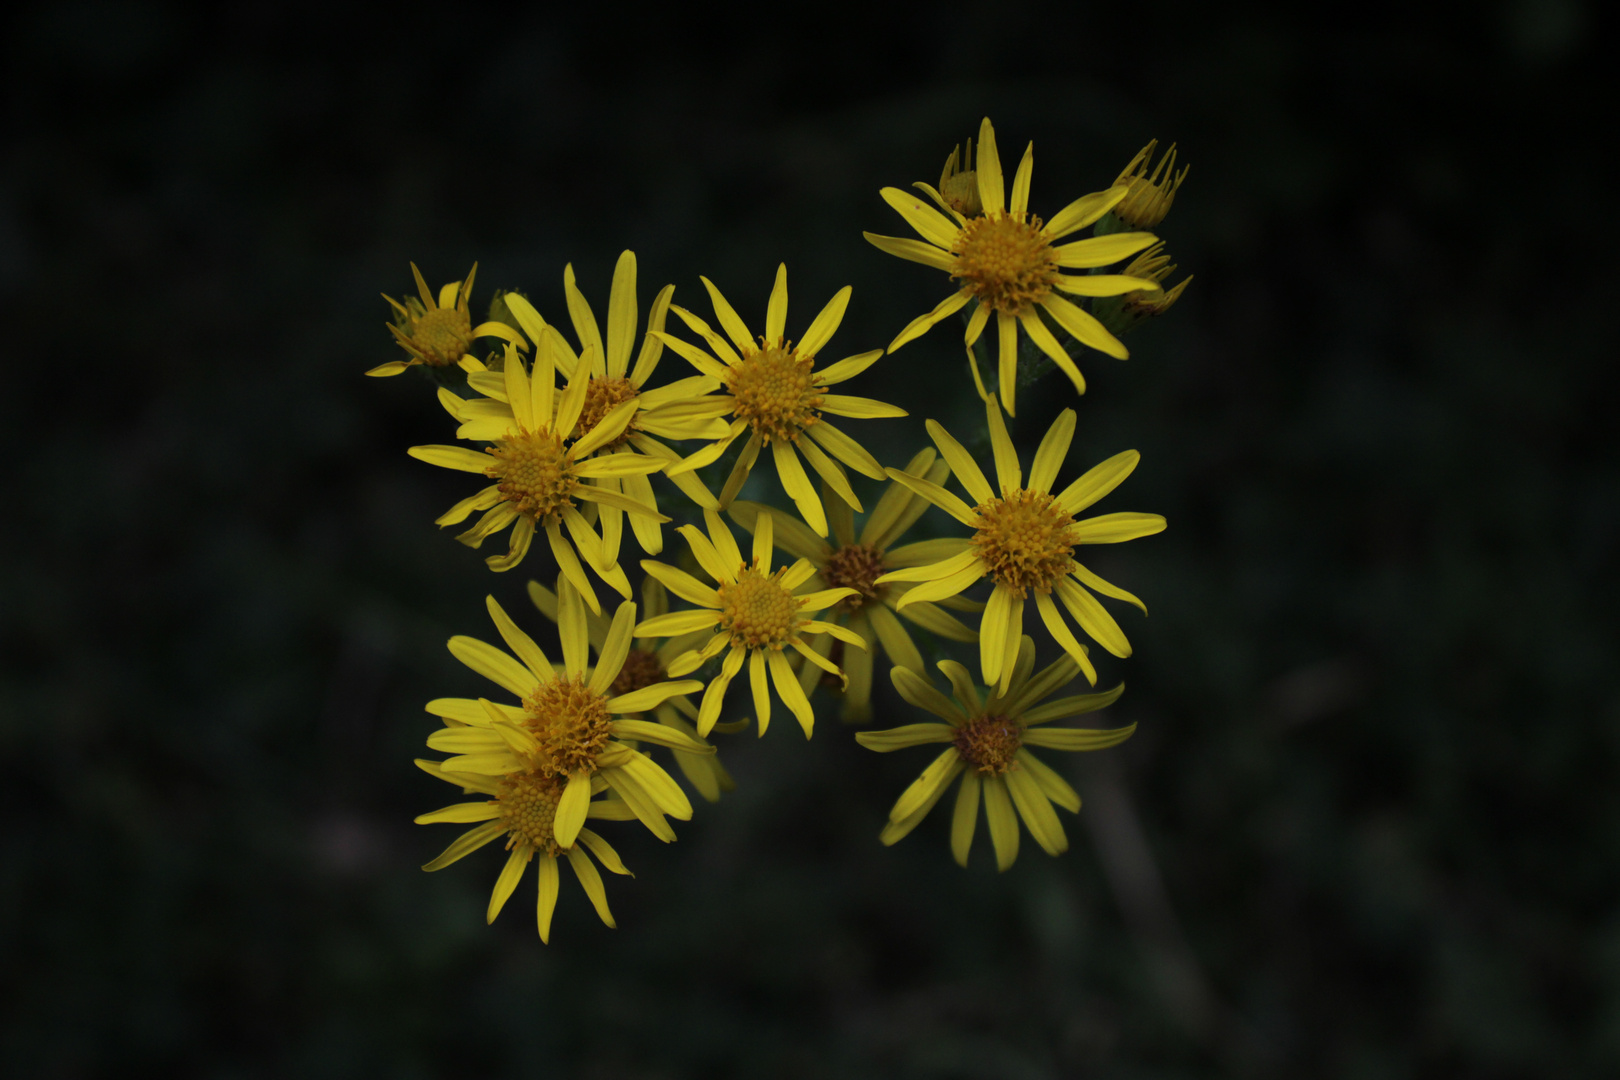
[(959, 183), (540, 477), (1005, 259), (543, 759), (990, 740), (1153, 265), (755, 611), (1149, 199), (682, 410), (645, 666), (1023, 541), (772, 387), (856, 563), (438, 332)]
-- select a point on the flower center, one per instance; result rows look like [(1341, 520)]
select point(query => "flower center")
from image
[(641, 669), (775, 392), (757, 611), (443, 335), (855, 566), (534, 474), (1024, 540), (571, 724), (1005, 261), (602, 396), (529, 807), (989, 743)]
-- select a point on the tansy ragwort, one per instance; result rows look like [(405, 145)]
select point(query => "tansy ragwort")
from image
[(544, 758), (990, 736), (437, 332), (646, 666), (857, 562), (774, 391), (540, 461), (754, 612), (1009, 262), (575, 743), (683, 409), (1023, 540)]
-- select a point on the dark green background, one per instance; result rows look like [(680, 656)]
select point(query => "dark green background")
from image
[(1368, 827)]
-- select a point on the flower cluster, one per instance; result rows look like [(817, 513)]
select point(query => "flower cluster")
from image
[(576, 436)]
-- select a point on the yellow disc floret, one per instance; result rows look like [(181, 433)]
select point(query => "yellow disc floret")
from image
[(602, 396), (570, 722), (1006, 262), (989, 743), (757, 611), (775, 392), (534, 475), (441, 336), (1024, 541), (855, 566), (528, 804)]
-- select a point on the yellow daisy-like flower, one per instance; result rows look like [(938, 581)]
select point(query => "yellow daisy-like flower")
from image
[(569, 723), (990, 737), (1149, 199), (544, 758), (438, 332), (1008, 261), (683, 409), (523, 808), (774, 390), (539, 474), (755, 611), (1024, 541), (645, 666), (1154, 265), (856, 562)]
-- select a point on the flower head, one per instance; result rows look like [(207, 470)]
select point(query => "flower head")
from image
[(683, 409), (959, 183), (1023, 540), (543, 759), (540, 460), (1149, 198), (1009, 262), (438, 331), (752, 613), (989, 739), (646, 665), (774, 391), (857, 562)]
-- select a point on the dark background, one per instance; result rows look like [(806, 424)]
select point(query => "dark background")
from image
[(1368, 827)]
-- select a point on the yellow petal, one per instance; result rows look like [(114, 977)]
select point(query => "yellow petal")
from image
[(961, 463), (992, 194), (776, 309)]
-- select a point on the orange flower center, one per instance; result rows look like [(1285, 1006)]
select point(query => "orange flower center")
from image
[(571, 724), (989, 743), (602, 396), (1005, 261), (641, 669), (529, 808), (855, 566), (776, 392), (534, 473), (757, 611), (1023, 539)]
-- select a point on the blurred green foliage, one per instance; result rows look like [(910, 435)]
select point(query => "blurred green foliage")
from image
[(1368, 825)]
